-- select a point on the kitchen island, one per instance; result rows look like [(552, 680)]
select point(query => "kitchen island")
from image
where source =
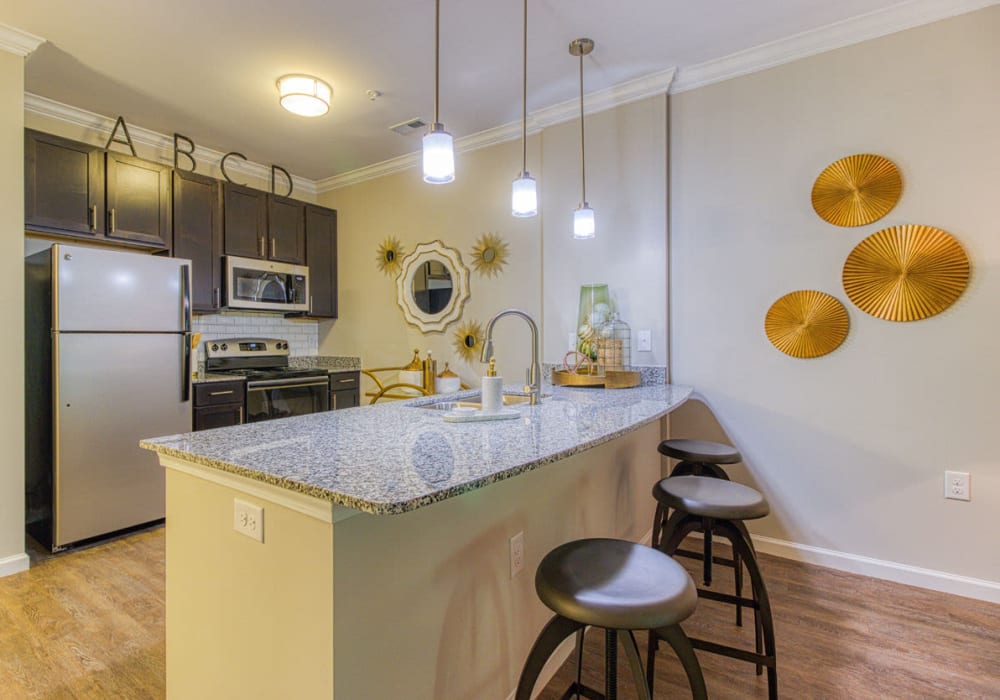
[(384, 569)]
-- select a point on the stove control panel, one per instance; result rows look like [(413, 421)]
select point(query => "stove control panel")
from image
[(245, 347)]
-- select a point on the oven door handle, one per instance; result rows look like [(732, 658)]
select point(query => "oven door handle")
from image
[(266, 384)]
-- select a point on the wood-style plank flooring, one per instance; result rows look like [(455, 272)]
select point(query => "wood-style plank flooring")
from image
[(91, 625), (86, 624), (838, 636)]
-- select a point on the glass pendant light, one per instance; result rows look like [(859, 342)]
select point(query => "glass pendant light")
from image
[(439, 148), (524, 193), (583, 218)]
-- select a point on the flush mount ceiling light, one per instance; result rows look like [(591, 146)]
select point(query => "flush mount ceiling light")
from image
[(583, 217), (304, 95), (524, 193), (439, 148)]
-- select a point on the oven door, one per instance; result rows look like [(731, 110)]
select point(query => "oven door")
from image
[(281, 398), (266, 285)]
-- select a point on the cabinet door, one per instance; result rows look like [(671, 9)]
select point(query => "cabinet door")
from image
[(321, 254), (245, 221), (63, 185), (138, 199), (344, 398), (286, 230), (221, 416), (198, 236)]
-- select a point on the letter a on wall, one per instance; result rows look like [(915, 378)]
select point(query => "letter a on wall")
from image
[(127, 141)]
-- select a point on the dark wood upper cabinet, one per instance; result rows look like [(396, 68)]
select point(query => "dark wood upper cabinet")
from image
[(321, 255), (198, 236), (245, 216), (63, 185), (286, 230), (138, 200)]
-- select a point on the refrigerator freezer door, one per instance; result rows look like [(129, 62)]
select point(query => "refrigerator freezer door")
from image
[(111, 391), (109, 290)]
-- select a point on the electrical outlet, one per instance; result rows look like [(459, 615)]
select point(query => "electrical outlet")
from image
[(516, 554), (956, 486), (644, 339), (248, 519)]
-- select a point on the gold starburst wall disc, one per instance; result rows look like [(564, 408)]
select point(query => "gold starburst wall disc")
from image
[(857, 190), (489, 255), (806, 323), (906, 273), (390, 256), (468, 340)]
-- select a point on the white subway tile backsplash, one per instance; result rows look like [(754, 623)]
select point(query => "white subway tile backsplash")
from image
[(302, 335)]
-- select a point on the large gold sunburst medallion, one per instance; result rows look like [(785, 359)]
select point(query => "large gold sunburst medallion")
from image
[(906, 273), (857, 190), (806, 323)]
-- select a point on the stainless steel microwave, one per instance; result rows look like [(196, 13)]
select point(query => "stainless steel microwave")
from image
[(264, 285)]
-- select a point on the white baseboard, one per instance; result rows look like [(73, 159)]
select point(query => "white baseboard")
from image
[(14, 564), (943, 581)]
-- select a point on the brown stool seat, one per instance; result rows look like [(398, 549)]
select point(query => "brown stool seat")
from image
[(711, 498), (615, 584), (700, 451)]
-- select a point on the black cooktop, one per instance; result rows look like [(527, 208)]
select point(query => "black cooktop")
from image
[(273, 373)]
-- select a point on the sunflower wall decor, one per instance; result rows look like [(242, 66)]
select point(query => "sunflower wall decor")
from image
[(468, 341), (857, 190), (806, 323), (489, 255), (390, 256)]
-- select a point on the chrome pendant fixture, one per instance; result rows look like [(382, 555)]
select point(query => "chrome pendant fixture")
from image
[(439, 147), (524, 193), (583, 218)]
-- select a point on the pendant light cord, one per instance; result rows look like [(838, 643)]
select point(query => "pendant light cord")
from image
[(583, 148), (437, 55), (524, 94)]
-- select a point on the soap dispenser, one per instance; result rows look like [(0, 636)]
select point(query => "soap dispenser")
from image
[(492, 389)]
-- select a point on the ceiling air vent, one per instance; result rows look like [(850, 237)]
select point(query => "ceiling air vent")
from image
[(408, 127)]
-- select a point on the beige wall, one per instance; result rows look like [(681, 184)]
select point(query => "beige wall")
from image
[(11, 307), (850, 448), (626, 186)]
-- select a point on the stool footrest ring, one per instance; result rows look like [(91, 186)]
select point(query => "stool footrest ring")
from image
[(733, 652), (728, 598), (584, 691)]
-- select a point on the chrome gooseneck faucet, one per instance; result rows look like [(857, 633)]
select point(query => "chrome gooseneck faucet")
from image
[(534, 385)]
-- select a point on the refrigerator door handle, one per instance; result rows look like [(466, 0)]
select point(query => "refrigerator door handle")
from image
[(185, 367), (185, 298)]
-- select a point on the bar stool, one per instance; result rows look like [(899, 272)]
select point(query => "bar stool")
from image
[(700, 458), (619, 586), (719, 507)]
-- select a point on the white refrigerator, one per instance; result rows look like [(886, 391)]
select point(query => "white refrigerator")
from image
[(107, 361)]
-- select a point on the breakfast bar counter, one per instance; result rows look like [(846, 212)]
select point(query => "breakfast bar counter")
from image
[(374, 557)]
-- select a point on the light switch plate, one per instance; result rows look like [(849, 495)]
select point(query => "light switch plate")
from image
[(644, 339), (248, 519)]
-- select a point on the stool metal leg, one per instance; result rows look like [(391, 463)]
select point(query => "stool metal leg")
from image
[(738, 582), (658, 518), (579, 661), (632, 652), (706, 526), (611, 664), (681, 645), (551, 636)]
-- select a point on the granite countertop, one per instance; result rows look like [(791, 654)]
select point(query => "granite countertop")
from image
[(209, 377), (397, 457)]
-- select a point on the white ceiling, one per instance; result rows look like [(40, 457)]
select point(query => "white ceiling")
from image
[(206, 68)]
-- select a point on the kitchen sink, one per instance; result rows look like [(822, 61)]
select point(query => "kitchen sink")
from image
[(475, 401)]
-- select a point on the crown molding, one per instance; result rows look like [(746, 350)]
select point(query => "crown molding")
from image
[(101, 126), (599, 101), (855, 30), (17, 41)]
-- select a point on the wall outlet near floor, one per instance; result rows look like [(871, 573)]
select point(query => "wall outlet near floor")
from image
[(516, 554), (248, 519), (956, 486), (644, 340)]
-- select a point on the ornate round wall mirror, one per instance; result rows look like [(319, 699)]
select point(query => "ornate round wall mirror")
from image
[(432, 287)]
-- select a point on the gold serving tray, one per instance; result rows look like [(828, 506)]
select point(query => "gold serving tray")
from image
[(612, 379)]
